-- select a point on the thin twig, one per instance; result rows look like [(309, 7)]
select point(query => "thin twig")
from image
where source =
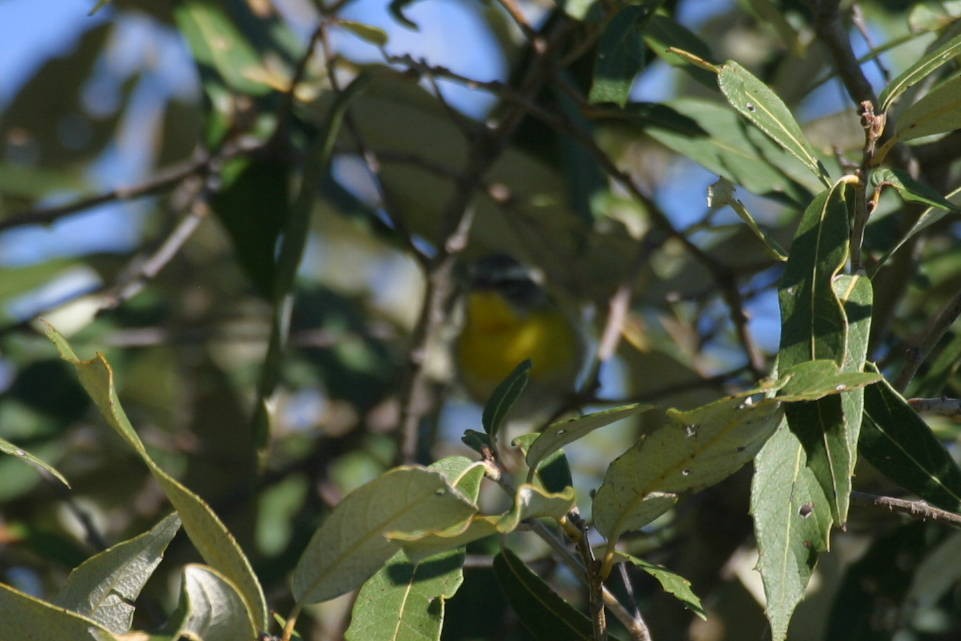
[(857, 18), (164, 179), (919, 510), (942, 406)]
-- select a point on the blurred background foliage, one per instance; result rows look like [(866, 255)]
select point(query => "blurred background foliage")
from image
[(180, 102)]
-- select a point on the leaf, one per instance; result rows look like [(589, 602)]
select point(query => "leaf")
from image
[(365, 32), (27, 618), (727, 146), (351, 545), (911, 190), (206, 531), (812, 318), (212, 608), (756, 102), (404, 601), (663, 33), (291, 244), (42, 466), (792, 520), (477, 441), (396, 8), (97, 7), (693, 450), (253, 206), (814, 380), (620, 56), (530, 502), (897, 441), (557, 435), (217, 45), (105, 587), (504, 396), (937, 112), (721, 193), (543, 613), (672, 583), (928, 217), (928, 64)]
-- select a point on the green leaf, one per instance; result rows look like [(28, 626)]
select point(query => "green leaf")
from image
[(206, 531), (721, 193), (792, 521), (725, 145), (813, 380), (477, 441), (404, 600), (911, 190), (212, 608), (219, 46), (543, 613), (97, 7), (530, 502), (253, 206), (813, 324), (503, 398), (352, 545), (672, 583), (105, 587), (928, 217), (28, 618), (693, 450), (663, 33), (897, 441), (937, 112), (760, 105), (562, 433), (290, 252), (928, 64), (45, 468), (396, 8), (365, 32), (620, 56)]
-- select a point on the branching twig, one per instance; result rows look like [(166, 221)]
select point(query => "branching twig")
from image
[(920, 510)]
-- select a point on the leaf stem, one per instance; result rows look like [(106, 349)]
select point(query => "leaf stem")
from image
[(288, 632)]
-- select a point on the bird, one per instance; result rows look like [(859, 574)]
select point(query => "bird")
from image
[(509, 317)]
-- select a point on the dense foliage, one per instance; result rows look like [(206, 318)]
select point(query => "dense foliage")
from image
[(234, 238)]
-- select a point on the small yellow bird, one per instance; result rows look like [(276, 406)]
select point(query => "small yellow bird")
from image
[(509, 318)]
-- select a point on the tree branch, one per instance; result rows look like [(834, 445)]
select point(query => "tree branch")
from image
[(919, 510)]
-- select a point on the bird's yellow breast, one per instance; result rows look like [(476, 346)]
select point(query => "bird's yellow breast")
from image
[(497, 337)]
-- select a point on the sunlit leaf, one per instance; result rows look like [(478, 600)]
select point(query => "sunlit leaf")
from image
[(921, 69), (937, 112), (911, 190), (672, 583), (351, 544), (105, 587), (42, 466), (530, 502), (792, 520), (928, 217), (562, 433), (206, 531), (211, 607), (759, 104), (28, 618), (693, 450), (813, 380), (365, 32), (663, 33)]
